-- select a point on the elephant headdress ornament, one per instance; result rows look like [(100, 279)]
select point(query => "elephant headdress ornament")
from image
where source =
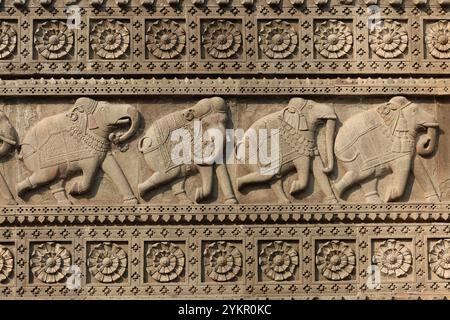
[(385, 139)]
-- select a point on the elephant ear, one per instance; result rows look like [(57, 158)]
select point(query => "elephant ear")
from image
[(294, 118)]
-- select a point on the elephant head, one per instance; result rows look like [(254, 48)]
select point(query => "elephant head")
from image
[(7, 135), (308, 115)]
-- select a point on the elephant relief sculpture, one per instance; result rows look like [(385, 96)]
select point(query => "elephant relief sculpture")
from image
[(8, 141), (385, 140), (297, 124), (157, 145), (79, 140)]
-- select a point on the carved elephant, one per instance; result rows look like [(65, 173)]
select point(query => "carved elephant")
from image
[(8, 142), (157, 147), (385, 139), (79, 140), (297, 124)]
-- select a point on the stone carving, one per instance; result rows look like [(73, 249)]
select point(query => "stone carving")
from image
[(107, 262), (335, 260), (166, 39), (439, 258), (386, 139), (389, 39), (110, 39), (53, 39), (8, 142), (157, 146), (333, 39), (222, 261), (6, 263), (222, 39), (165, 261), (279, 260), (50, 262), (393, 258), (438, 39), (297, 124), (278, 39), (78, 141), (8, 40)]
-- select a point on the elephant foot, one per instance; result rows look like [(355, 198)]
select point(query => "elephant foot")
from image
[(23, 186), (74, 188), (330, 199), (142, 189), (198, 195), (432, 198), (130, 200), (392, 194), (183, 198), (284, 201), (337, 186), (66, 202), (11, 202), (240, 184), (372, 197), (231, 201), (296, 186)]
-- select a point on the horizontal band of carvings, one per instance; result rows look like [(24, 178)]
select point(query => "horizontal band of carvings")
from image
[(236, 214), (225, 86)]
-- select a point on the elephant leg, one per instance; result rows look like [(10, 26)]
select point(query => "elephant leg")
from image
[(59, 192), (89, 167), (323, 180), (206, 174), (36, 179), (158, 179), (401, 168), (302, 165), (350, 178), (225, 184), (424, 180), (113, 170), (180, 192), (252, 178), (277, 188), (6, 192), (370, 189)]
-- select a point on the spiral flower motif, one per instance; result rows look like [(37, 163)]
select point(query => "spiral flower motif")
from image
[(279, 260), (6, 263), (50, 262), (222, 39), (8, 39), (333, 39), (166, 39), (438, 39), (389, 39), (222, 260), (165, 261), (393, 258), (278, 39), (53, 39), (335, 260), (107, 262), (110, 39), (439, 258)]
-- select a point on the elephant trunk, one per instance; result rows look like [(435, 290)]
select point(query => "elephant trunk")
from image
[(134, 118), (329, 145), (427, 142)]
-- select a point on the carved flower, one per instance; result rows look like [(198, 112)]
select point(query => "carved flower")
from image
[(335, 260), (278, 260), (333, 39), (388, 39), (110, 39), (440, 258), (278, 39), (166, 39), (393, 258), (8, 40), (6, 263), (107, 262), (53, 39), (222, 260), (222, 39), (50, 262), (165, 261), (438, 39)]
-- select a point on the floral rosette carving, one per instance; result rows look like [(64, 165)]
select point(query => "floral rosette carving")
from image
[(438, 39), (166, 39), (222, 39), (222, 260), (388, 39), (278, 260), (50, 262), (165, 261), (335, 260), (8, 39), (393, 258), (333, 39), (278, 39), (110, 39), (6, 263), (439, 258), (107, 262), (53, 39)]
